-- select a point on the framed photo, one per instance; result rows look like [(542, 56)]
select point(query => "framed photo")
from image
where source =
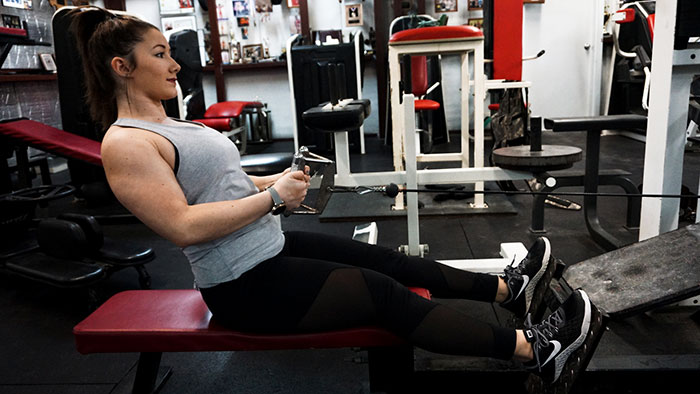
[(476, 22), (12, 21), (475, 4), (292, 3), (243, 21), (23, 4), (47, 61), (172, 24), (353, 14), (253, 52), (445, 5), (169, 7)]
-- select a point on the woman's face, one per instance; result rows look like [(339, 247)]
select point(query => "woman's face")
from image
[(155, 72)]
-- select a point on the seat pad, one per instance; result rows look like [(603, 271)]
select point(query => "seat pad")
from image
[(602, 122), (437, 34), (53, 140), (426, 105), (179, 321)]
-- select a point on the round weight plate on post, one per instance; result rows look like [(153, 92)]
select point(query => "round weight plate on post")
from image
[(550, 158)]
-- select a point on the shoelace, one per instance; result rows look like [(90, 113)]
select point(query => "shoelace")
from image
[(543, 332), (512, 268)]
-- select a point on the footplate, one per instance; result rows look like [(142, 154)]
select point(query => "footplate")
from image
[(577, 362)]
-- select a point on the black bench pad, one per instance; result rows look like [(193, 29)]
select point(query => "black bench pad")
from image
[(642, 276), (55, 271), (349, 117), (266, 163), (583, 123)]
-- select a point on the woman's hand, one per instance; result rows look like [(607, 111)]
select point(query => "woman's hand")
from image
[(292, 187)]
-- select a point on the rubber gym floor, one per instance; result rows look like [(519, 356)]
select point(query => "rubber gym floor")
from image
[(656, 352)]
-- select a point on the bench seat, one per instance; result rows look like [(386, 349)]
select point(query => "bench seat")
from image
[(179, 321), (155, 321)]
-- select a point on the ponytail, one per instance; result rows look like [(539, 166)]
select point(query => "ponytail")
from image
[(101, 36)]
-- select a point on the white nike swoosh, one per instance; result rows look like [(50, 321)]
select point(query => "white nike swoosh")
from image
[(526, 280), (557, 348)]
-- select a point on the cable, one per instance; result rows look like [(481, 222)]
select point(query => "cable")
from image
[(392, 190)]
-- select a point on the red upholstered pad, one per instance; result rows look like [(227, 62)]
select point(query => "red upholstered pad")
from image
[(221, 124), (53, 140), (178, 321), (230, 109), (426, 105), (13, 31), (437, 33)]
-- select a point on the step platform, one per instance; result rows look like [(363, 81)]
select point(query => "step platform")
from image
[(646, 275)]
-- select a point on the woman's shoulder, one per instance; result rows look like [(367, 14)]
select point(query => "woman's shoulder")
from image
[(128, 139)]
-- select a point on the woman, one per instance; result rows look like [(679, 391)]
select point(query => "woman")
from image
[(184, 181)]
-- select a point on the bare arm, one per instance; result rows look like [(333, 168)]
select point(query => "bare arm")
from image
[(263, 182), (145, 184)]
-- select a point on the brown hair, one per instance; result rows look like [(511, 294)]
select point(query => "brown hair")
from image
[(100, 36)]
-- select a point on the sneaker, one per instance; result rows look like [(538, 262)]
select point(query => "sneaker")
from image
[(524, 281), (558, 336)]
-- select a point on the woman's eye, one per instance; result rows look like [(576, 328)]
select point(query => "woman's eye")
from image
[(161, 54)]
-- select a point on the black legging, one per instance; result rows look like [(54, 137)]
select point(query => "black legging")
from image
[(319, 282)]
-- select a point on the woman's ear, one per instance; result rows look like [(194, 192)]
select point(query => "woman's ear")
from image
[(121, 66)]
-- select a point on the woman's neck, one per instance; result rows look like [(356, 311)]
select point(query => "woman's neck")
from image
[(148, 110)]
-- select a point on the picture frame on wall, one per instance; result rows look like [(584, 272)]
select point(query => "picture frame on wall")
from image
[(475, 4), (47, 61), (171, 24), (445, 5), (170, 7), (292, 3), (22, 4), (476, 22), (353, 14)]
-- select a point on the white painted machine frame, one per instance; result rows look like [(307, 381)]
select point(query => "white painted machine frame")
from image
[(672, 75), (465, 47)]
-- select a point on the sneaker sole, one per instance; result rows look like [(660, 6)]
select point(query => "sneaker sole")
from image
[(537, 288), (562, 357)]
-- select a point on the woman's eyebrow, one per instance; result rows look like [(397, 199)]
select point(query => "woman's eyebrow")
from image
[(159, 45)]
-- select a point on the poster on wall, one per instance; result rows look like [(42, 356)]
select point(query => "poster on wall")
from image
[(169, 7), (445, 5), (23, 4), (240, 8), (172, 24), (353, 15), (292, 3)]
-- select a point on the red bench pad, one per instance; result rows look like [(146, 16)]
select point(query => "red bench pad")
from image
[(220, 124), (437, 33), (230, 109), (426, 105), (53, 140), (179, 321)]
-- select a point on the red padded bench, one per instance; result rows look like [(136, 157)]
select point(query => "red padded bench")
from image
[(24, 132), (151, 322)]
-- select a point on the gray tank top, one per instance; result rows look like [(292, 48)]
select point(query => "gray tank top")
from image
[(208, 169)]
